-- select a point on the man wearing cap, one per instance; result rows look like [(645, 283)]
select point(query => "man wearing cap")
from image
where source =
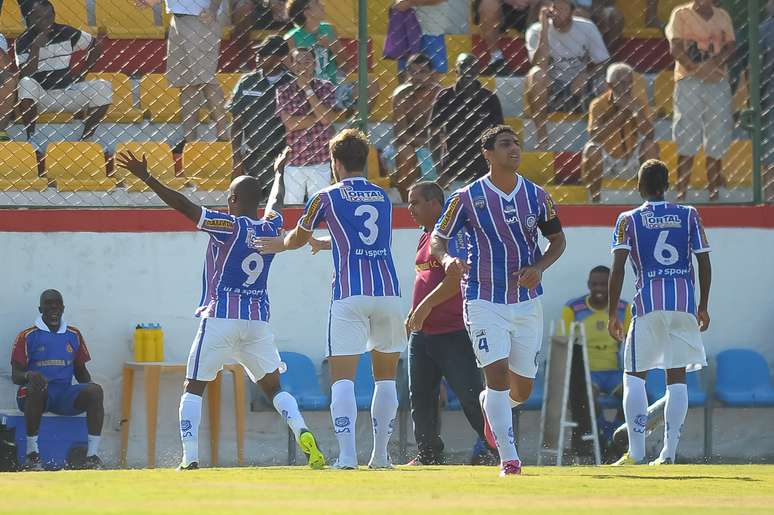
[(460, 114), (258, 134)]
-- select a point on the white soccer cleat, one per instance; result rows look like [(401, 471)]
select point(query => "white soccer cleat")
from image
[(343, 466), (381, 464)]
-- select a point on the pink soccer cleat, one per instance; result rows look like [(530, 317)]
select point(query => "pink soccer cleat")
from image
[(510, 468)]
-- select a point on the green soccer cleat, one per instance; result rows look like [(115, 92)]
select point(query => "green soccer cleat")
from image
[(661, 461), (308, 445), (627, 460)]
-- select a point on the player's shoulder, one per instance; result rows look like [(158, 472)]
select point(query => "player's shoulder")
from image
[(71, 329), (24, 334), (682, 9), (533, 188)]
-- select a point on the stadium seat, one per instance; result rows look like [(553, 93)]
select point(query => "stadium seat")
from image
[(737, 164), (743, 379), (663, 87), (121, 19), (537, 166), (342, 14), (19, 167), (158, 99), (452, 401), (378, 14), (300, 380), (374, 172), (122, 110), (535, 400), (160, 160), (228, 82), (75, 13), (11, 23), (655, 386), (568, 194), (457, 44), (517, 124), (364, 382), (208, 164), (385, 72), (77, 165)]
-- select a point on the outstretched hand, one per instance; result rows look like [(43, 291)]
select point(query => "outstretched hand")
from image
[(318, 245), (271, 244), (281, 161), (128, 161)]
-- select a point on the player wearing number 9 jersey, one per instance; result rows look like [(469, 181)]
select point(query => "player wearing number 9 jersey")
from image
[(659, 239), (234, 310), (366, 313)]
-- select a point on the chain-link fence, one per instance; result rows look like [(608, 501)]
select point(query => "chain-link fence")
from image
[(207, 90)]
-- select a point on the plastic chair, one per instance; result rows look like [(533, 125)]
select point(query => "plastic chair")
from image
[(160, 160), (537, 166), (743, 379), (11, 23), (77, 166), (160, 100), (364, 382), (209, 164), (452, 401), (121, 19), (655, 386), (122, 109), (300, 380), (74, 13), (19, 167), (535, 401)]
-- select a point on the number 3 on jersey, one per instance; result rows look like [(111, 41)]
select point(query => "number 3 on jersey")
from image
[(252, 265), (371, 216)]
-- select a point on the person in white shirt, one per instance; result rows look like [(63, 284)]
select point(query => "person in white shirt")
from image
[(7, 89)]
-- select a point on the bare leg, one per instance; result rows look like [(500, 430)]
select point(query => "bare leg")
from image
[(90, 400), (93, 118), (243, 18), (33, 409), (491, 17), (406, 169), (684, 169), (191, 99), (537, 95), (217, 106), (592, 170), (29, 113), (715, 177), (7, 98)]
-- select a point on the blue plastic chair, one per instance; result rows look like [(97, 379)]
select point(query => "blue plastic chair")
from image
[(364, 382), (743, 379), (655, 386), (452, 401), (300, 381), (535, 401)]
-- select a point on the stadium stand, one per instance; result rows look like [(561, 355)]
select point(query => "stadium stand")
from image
[(77, 165)]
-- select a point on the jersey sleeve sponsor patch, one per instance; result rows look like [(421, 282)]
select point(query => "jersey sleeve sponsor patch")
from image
[(312, 213)]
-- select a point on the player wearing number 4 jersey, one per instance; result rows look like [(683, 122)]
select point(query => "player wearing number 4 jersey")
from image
[(660, 239), (234, 310), (503, 214), (366, 314)]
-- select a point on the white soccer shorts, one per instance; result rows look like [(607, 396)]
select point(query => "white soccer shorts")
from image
[(219, 341), (664, 339), (362, 323), (506, 331)]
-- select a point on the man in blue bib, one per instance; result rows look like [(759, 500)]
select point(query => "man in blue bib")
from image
[(44, 360)]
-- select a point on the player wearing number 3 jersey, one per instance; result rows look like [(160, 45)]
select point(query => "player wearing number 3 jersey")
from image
[(660, 239), (234, 309), (366, 313)]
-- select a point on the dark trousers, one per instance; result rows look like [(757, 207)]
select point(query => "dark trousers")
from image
[(432, 357)]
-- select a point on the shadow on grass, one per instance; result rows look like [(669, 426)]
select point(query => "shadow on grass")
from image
[(678, 478)]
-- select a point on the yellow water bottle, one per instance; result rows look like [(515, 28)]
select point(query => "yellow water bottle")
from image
[(138, 341), (147, 343), (158, 342)]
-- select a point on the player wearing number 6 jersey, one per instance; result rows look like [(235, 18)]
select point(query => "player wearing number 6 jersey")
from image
[(660, 239), (366, 313), (234, 310), (504, 215)]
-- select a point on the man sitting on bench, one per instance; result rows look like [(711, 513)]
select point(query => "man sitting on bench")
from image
[(44, 360)]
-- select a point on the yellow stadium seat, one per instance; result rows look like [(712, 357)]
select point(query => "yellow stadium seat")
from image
[(385, 73), (373, 169), (11, 23), (160, 163), (74, 13), (633, 12), (517, 124), (643, 32), (568, 194), (121, 19), (122, 110), (663, 88), (737, 164), (19, 167), (60, 117), (77, 165), (457, 44), (618, 183), (227, 83), (208, 164), (378, 14), (537, 166), (158, 99), (342, 14), (665, 8)]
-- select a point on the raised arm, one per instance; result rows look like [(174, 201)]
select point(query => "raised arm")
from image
[(446, 289), (615, 284), (277, 195), (172, 198), (439, 249)]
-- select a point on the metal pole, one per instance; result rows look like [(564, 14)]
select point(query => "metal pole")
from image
[(755, 97), (362, 65)]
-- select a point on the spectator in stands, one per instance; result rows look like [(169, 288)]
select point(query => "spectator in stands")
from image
[(767, 99), (568, 58), (193, 49), (412, 104), (307, 108), (248, 15), (439, 345), (433, 18), (606, 16), (7, 89), (591, 311), (258, 133), (701, 39), (43, 54), (460, 114), (44, 360), (495, 17), (621, 135)]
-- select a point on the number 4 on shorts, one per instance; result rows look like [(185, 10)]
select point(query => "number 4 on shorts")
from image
[(483, 345)]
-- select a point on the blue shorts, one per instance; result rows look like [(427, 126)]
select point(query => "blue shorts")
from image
[(60, 400), (607, 380), (433, 47)]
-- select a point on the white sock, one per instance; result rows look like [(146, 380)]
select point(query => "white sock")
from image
[(495, 54), (514, 403), (93, 446), (497, 405), (286, 405), (635, 404), (675, 409), (344, 415), (384, 406), (32, 444), (190, 416)]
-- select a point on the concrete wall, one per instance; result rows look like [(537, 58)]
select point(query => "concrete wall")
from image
[(111, 281)]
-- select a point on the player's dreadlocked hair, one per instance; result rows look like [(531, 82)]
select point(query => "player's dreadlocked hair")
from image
[(654, 177), (489, 136)]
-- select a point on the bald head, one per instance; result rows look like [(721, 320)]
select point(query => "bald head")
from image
[(50, 295), (245, 192)]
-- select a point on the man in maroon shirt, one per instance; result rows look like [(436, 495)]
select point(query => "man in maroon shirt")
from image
[(439, 345)]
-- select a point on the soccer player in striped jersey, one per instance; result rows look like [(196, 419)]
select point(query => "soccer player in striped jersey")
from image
[(660, 240), (234, 310), (366, 312), (504, 215)]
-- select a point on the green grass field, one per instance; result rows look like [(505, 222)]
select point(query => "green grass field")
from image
[(677, 489)]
